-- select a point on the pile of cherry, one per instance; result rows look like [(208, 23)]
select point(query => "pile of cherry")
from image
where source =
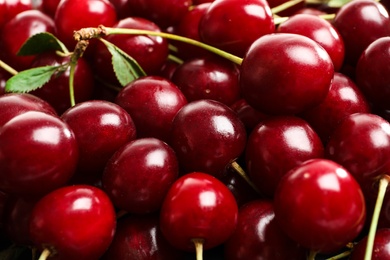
[(273, 145)]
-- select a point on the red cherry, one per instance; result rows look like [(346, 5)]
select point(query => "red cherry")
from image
[(138, 176), (234, 25), (258, 236), (310, 206), (381, 246), (198, 206), (207, 136), (49, 7), (38, 153), (74, 222), (277, 145), (298, 79)]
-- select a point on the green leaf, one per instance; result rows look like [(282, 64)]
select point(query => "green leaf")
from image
[(42, 42), (31, 79), (126, 68)]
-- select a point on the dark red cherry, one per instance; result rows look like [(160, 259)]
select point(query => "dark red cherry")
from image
[(13, 104), (208, 78), (56, 90), (74, 222), (344, 98), (370, 71), (17, 30), (359, 24), (298, 79), (38, 153), (234, 25), (74, 15), (381, 246), (138, 175), (140, 237), (3, 13), (354, 142), (152, 103), (207, 136), (319, 30), (101, 128), (258, 236), (49, 7), (277, 145), (198, 206), (122, 8), (310, 206)]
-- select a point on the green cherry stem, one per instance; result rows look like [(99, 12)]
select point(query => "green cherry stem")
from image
[(383, 183), (243, 174), (285, 6), (340, 256), (8, 68), (45, 254), (198, 242)]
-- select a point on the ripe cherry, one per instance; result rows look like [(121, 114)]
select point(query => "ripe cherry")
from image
[(73, 222), (298, 79), (381, 246), (198, 207), (138, 175), (310, 205), (207, 136)]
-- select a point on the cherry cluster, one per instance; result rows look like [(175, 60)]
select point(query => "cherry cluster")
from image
[(175, 129)]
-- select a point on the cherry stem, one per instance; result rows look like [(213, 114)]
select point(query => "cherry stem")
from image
[(45, 254), (285, 6), (312, 255), (243, 174), (8, 68), (383, 183), (340, 256), (198, 242), (175, 59)]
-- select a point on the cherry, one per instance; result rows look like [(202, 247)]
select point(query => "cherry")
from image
[(17, 30), (344, 98), (138, 176), (359, 24), (297, 80), (354, 142), (319, 30), (208, 78), (73, 15), (56, 90), (277, 145), (258, 236), (13, 104), (122, 8), (49, 7), (4, 76), (15, 7), (152, 103), (198, 207), (150, 52), (164, 13), (310, 205), (381, 246), (140, 237), (3, 13), (74, 222), (234, 25), (370, 72), (101, 128), (207, 136)]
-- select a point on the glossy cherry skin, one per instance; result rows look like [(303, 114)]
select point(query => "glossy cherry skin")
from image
[(101, 128), (354, 142), (13, 104), (208, 78), (352, 21), (277, 145), (74, 222), (15, 7), (258, 236), (17, 30), (164, 13), (319, 30), (381, 246), (234, 25), (207, 136), (310, 205), (198, 206), (150, 52), (74, 15), (56, 90), (138, 176), (152, 103), (344, 98), (38, 153), (140, 237), (298, 79), (370, 71)]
